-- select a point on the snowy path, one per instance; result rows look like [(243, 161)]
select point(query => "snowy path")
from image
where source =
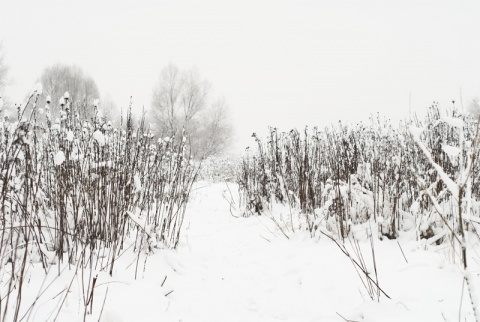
[(235, 269), (241, 275)]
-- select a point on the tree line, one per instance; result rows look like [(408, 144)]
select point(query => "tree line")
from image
[(182, 101)]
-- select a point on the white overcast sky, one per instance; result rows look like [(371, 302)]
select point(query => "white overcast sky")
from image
[(277, 63)]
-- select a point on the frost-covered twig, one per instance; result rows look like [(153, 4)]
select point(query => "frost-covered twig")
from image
[(355, 262)]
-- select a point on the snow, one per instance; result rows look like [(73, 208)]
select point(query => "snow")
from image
[(59, 158), (138, 183), (70, 136), (20, 155), (98, 136), (469, 277), (453, 121), (244, 269), (416, 131), (451, 151)]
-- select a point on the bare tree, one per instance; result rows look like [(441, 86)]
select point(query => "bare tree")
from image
[(216, 130), (166, 101), (182, 100), (6, 107), (474, 106), (3, 69), (109, 110), (82, 89)]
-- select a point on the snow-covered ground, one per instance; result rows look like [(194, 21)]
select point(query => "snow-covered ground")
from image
[(245, 269)]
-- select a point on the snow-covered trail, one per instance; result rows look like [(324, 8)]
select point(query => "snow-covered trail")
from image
[(235, 269), (243, 269)]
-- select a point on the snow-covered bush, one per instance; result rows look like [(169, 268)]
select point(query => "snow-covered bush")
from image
[(422, 175), (455, 186), (354, 173), (71, 189)]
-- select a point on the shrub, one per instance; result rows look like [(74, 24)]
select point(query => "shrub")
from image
[(73, 188)]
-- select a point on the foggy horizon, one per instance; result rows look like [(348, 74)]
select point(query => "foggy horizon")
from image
[(282, 64)]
